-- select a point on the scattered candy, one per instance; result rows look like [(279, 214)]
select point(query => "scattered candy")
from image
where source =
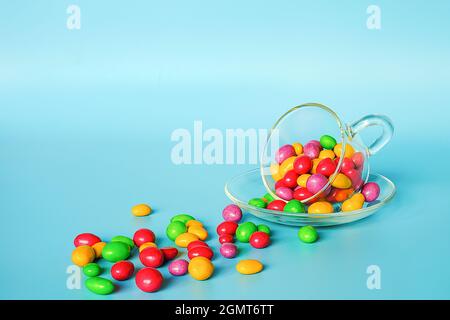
[(200, 232), (308, 234), (259, 240), (233, 213), (227, 227), (169, 253), (226, 238), (141, 210), (196, 243), (86, 239), (183, 218), (249, 267), (184, 239), (200, 268), (142, 236), (201, 251), (122, 270), (99, 285), (83, 255), (98, 248), (174, 229), (116, 251), (151, 257), (146, 245), (356, 202), (245, 230), (124, 239), (264, 228), (92, 270), (178, 267), (228, 250), (149, 280)]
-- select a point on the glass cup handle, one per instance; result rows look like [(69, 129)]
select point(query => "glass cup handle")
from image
[(374, 120)]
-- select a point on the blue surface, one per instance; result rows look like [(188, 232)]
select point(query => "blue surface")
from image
[(86, 117)]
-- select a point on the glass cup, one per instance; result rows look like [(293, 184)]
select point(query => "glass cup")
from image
[(302, 127)]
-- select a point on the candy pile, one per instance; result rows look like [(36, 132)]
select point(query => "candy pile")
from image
[(302, 174)]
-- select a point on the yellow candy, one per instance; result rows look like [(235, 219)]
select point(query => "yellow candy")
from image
[(327, 154), (98, 248), (287, 165), (249, 266), (341, 181), (356, 202), (141, 210), (194, 223), (275, 171), (298, 147), (301, 181), (184, 239), (349, 151), (321, 207), (200, 232), (146, 245), (83, 255), (315, 164), (200, 268)]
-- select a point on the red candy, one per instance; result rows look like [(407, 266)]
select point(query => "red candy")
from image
[(86, 239), (303, 165), (259, 240), (277, 205), (196, 243), (301, 194), (280, 184), (142, 236), (169, 253), (355, 176), (346, 165), (358, 160), (149, 280), (151, 257), (200, 252), (326, 167), (290, 179), (122, 270), (226, 238), (227, 227)]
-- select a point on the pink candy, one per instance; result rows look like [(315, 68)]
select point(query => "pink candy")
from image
[(228, 250), (285, 193), (316, 183), (232, 213), (371, 191), (284, 152), (311, 150), (178, 267)]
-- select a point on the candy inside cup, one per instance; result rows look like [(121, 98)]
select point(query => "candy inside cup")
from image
[(315, 132)]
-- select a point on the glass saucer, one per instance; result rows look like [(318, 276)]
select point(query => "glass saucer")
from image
[(248, 185)]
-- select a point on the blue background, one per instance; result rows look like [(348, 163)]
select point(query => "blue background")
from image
[(86, 117)]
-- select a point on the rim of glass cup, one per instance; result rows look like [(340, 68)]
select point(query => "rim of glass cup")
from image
[(307, 215), (343, 133)]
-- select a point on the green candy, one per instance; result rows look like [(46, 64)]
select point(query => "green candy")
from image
[(328, 142), (100, 285), (269, 197), (174, 229), (264, 228), (184, 218), (257, 202), (116, 251), (123, 239), (294, 206), (245, 230), (308, 234), (92, 270)]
